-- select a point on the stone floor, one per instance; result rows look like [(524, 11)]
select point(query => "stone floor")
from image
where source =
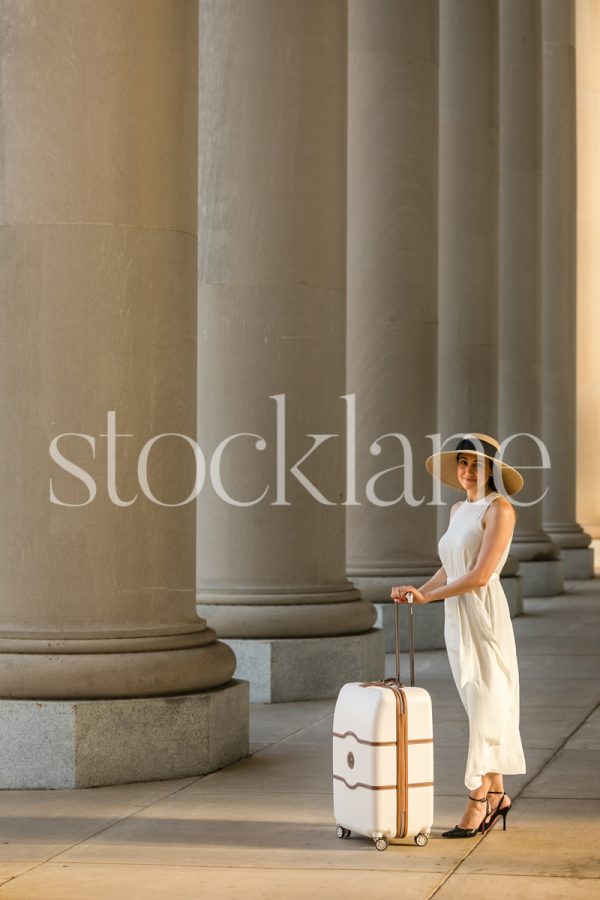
[(263, 828)]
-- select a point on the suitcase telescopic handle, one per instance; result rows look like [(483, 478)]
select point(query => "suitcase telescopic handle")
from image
[(411, 647)]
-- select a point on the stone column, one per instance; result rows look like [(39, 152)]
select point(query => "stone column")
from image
[(272, 329), (468, 170), (468, 234), (392, 299), (588, 268), (520, 313), (559, 285), (106, 673)]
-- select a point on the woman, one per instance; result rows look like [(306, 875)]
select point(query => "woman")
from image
[(477, 626)]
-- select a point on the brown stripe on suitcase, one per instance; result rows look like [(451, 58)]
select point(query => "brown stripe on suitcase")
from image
[(401, 760), (403, 743), (363, 741), (368, 787), (353, 734)]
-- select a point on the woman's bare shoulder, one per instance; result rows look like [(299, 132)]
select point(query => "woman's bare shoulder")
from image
[(502, 508)]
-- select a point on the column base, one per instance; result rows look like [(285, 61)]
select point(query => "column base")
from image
[(428, 620), (512, 586), (285, 669), (544, 577), (595, 546), (428, 626), (578, 562), (89, 743)]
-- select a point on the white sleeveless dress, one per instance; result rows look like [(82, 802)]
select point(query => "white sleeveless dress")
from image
[(481, 648)]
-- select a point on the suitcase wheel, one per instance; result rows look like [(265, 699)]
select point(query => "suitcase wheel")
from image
[(343, 832), (421, 839), (381, 843)]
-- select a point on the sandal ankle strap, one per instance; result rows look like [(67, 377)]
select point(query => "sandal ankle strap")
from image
[(477, 799)]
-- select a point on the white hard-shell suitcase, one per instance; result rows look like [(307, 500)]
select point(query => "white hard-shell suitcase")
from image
[(383, 757)]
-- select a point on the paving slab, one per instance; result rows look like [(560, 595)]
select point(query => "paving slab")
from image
[(321, 733), (270, 722), (580, 643), (560, 666), (37, 824), (539, 619), (10, 870), (542, 837), (572, 774), (550, 692), (99, 882), (547, 726), (587, 736), (438, 668), (275, 768), (474, 887)]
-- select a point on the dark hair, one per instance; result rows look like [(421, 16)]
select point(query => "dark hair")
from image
[(496, 471)]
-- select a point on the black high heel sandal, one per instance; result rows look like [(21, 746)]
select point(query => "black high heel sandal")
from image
[(497, 813), (458, 832)]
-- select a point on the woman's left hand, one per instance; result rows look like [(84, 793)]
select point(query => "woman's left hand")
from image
[(398, 594)]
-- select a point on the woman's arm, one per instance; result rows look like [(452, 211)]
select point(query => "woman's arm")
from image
[(500, 522), (435, 581)]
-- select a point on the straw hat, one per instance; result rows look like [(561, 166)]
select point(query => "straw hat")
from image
[(443, 465)]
